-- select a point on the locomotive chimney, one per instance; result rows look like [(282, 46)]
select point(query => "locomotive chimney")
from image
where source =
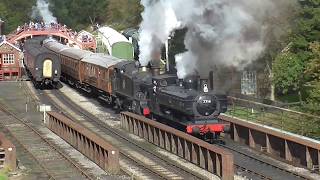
[(155, 67)]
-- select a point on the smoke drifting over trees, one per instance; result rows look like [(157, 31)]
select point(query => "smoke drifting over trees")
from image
[(42, 10), (220, 33)]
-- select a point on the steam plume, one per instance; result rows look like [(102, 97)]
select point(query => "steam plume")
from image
[(158, 21), (42, 10), (223, 33)]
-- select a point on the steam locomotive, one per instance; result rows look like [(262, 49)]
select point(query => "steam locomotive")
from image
[(187, 104), (42, 66)]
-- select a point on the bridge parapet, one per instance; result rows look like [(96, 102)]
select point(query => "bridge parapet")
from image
[(72, 37)]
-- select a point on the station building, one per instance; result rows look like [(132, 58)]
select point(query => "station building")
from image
[(10, 61)]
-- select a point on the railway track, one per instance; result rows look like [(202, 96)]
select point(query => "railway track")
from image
[(132, 153), (45, 153), (246, 165), (252, 167)]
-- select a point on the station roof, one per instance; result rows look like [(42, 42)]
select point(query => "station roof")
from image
[(66, 50), (112, 35), (101, 59)]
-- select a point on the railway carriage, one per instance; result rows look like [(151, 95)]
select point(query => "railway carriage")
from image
[(96, 71), (42, 66), (70, 60), (115, 44), (89, 71)]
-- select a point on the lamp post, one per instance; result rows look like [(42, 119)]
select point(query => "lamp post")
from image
[(167, 53)]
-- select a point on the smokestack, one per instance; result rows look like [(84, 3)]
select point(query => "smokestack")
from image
[(155, 67)]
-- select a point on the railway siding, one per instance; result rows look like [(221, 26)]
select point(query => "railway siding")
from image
[(212, 158), (296, 149)]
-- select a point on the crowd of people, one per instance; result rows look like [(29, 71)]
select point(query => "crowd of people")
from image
[(42, 26)]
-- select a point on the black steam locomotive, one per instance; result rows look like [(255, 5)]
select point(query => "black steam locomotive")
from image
[(186, 104)]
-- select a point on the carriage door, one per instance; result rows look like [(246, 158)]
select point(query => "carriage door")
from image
[(47, 68)]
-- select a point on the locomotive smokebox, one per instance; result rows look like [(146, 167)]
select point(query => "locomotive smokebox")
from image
[(155, 67), (204, 86)]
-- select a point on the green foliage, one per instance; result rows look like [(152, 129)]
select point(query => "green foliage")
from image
[(313, 67), (313, 74), (313, 101), (299, 65), (4, 174), (288, 71), (80, 14), (76, 14), (122, 14), (15, 13)]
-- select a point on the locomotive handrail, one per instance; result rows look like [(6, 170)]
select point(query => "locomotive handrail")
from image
[(207, 156)]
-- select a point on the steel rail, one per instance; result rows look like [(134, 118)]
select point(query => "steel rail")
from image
[(104, 126), (25, 123)]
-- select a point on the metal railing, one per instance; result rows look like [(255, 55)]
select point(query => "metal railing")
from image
[(88, 143), (207, 156), (281, 118)]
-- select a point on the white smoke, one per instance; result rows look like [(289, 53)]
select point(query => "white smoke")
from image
[(42, 10), (158, 21), (225, 33)]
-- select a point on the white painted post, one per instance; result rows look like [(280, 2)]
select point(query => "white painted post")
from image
[(44, 116), (167, 52)]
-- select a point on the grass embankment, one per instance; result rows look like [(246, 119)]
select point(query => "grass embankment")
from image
[(4, 174), (292, 122)]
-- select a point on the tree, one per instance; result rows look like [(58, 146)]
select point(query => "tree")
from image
[(291, 66), (124, 14), (313, 75), (288, 72), (15, 13)]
